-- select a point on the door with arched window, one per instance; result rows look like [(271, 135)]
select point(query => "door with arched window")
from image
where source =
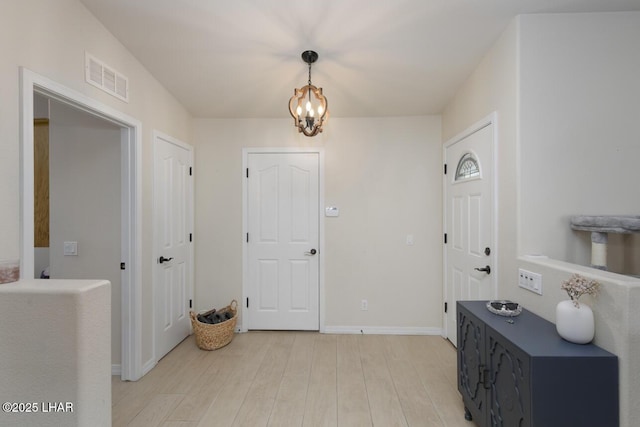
[(469, 265)]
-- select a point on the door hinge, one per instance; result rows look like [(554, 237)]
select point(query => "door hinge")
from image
[(190, 171), (445, 238), (123, 266), (247, 172), (247, 302), (190, 303), (191, 237), (445, 168), (247, 237), (446, 306)]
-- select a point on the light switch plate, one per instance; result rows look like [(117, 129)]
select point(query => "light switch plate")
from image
[(331, 211), (70, 248)]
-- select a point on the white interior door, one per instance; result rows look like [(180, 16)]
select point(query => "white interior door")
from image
[(469, 220), (283, 239), (173, 207)]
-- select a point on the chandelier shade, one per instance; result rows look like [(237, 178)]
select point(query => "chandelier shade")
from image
[(308, 106)]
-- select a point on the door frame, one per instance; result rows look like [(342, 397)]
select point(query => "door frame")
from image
[(490, 120), (131, 191), (245, 221), (156, 217)]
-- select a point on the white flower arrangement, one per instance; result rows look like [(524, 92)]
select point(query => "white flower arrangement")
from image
[(577, 285)]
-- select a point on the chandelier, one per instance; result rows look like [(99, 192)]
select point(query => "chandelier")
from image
[(308, 106)]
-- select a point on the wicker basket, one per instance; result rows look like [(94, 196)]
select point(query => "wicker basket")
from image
[(212, 337)]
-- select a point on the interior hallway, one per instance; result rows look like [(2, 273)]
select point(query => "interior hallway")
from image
[(298, 379)]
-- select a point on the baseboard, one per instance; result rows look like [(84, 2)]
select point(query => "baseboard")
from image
[(239, 327), (117, 369), (381, 330), (149, 365)]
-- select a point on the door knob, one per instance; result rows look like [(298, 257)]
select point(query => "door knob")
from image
[(486, 269), (163, 259), (311, 252)]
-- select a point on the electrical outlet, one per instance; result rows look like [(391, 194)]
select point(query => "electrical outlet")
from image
[(530, 281), (364, 305)]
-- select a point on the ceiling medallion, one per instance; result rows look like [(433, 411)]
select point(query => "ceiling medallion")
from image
[(310, 118)]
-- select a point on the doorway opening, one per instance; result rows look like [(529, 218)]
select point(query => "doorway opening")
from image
[(130, 161)]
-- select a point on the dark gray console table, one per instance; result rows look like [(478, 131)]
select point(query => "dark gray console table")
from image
[(523, 374)]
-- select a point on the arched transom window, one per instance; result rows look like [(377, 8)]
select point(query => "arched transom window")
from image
[(467, 167)]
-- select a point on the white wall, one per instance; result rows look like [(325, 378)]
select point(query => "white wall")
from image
[(385, 176), (580, 139), (50, 38), (59, 337), (580, 97), (84, 164), (499, 84)]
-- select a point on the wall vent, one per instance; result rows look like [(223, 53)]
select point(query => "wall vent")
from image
[(100, 75)]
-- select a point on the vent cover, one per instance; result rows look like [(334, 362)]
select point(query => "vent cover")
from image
[(100, 75)]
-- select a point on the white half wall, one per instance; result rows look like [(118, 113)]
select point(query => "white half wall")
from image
[(56, 339)]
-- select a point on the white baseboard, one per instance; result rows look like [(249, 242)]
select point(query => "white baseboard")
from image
[(117, 369), (381, 330), (149, 365)]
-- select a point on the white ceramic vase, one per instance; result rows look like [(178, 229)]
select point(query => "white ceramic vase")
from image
[(575, 324)]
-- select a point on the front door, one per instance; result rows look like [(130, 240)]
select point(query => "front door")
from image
[(283, 238), (470, 247), (173, 204)]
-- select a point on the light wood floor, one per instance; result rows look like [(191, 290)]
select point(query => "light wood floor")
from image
[(298, 379)]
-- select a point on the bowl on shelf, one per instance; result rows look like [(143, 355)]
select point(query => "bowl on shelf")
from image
[(504, 308)]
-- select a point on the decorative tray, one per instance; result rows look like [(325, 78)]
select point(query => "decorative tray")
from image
[(504, 308)]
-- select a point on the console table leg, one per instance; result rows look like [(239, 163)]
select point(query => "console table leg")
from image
[(467, 414)]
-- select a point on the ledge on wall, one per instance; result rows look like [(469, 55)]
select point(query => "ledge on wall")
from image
[(616, 313), (569, 268)]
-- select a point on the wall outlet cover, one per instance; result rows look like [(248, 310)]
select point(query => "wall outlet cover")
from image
[(530, 281)]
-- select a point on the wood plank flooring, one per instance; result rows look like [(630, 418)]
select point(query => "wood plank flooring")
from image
[(298, 379)]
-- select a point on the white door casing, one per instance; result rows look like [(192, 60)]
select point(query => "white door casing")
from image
[(173, 219), (283, 247), (131, 365), (470, 224)]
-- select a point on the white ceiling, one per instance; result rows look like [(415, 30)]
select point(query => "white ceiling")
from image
[(241, 58)]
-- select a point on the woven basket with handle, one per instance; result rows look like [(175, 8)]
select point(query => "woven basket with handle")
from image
[(212, 337)]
